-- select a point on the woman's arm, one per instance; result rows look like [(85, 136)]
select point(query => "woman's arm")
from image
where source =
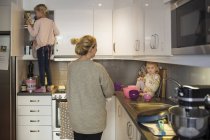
[(34, 30), (106, 83)]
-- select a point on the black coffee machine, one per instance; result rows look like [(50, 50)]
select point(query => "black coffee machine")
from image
[(190, 119)]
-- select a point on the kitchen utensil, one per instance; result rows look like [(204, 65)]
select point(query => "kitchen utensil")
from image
[(134, 94), (31, 85), (147, 97), (117, 86), (187, 123), (160, 125), (126, 90), (153, 115)]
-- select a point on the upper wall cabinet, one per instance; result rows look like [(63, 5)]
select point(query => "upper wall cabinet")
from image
[(128, 37), (103, 31), (5, 18), (17, 30), (157, 28), (72, 24)]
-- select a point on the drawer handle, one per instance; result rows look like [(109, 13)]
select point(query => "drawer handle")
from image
[(58, 134), (34, 101), (34, 110), (34, 131), (34, 120)]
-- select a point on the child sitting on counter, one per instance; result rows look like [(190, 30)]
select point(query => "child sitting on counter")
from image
[(150, 82)]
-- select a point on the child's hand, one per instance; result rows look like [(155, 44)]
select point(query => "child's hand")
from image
[(29, 22), (140, 79)]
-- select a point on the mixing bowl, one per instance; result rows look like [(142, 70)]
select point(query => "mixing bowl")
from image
[(134, 94), (191, 123)]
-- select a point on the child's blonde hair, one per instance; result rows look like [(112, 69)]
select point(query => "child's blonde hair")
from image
[(84, 44), (41, 8), (155, 64)]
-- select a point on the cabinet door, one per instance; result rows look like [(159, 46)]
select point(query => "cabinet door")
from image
[(34, 133), (72, 24), (17, 30), (103, 31), (121, 123), (157, 28), (109, 132), (125, 28), (5, 16)]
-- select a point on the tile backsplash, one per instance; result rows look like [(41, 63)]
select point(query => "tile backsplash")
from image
[(126, 72)]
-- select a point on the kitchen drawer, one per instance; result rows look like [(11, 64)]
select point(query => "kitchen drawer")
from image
[(34, 120), (34, 133), (33, 110), (34, 100)]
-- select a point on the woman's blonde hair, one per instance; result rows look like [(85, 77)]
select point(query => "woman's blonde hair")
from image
[(84, 44), (41, 8), (155, 64)]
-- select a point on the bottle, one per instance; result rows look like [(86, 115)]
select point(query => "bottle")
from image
[(23, 87), (30, 69)]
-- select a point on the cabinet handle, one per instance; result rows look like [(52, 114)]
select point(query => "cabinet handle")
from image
[(152, 44), (34, 110), (114, 47), (58, 134), (34, 131), (34, 101), (137, 45), (119, 112), (129, 130), (156, 41), (34, 120)]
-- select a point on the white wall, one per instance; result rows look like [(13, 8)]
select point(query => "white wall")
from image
[(67, 4)]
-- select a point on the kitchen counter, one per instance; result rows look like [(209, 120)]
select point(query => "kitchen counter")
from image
[(33, 94), (146, 134)]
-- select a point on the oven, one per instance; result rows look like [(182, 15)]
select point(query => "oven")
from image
[(56, 119), (191, 27)]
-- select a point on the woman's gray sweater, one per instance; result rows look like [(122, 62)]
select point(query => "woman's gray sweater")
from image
[(88, 86)]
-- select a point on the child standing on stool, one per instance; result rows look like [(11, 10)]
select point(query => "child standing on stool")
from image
[(44, 31)]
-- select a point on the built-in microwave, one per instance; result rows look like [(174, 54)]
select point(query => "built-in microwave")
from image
[(190, 27)]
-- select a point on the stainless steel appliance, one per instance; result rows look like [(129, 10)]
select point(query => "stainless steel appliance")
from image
[(191, 27), (57, 97), (190, 118), (8, 89)]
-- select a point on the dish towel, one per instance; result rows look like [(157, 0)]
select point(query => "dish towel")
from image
[(66, 129)]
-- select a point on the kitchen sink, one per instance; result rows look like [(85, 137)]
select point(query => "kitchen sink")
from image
[(149, 107)]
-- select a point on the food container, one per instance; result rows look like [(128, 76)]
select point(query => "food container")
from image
[(189, 124), (117, 86), (147, 97), (134, 94), (126, 90), (31, 85)]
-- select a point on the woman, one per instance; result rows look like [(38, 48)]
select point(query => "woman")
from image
[(88, 87), (44, 31)]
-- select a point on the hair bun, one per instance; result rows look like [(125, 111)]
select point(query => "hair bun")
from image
[(75, 41)]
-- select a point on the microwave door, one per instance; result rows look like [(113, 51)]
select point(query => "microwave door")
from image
[(191, 28)]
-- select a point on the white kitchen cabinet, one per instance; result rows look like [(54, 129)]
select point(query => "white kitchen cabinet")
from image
[(103, 31), (125, 129), (17, 30), (128, 28), (34, 133), (72, 24), (157, 28), (5, 15), (109, 132), (33, 118)]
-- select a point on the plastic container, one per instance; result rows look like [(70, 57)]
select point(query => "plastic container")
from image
[(31, 85), (134, 94), (126, 90), (147, 97)]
